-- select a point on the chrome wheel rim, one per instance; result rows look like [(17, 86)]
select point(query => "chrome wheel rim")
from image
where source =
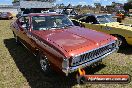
[(43, 64), (120, 42)]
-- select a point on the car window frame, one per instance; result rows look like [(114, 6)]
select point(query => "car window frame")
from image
[(19, 23), (94, 21), (49, 16)]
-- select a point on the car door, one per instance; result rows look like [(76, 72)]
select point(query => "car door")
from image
[(104, 24), (24, 31), (90, 22), (105, 28)]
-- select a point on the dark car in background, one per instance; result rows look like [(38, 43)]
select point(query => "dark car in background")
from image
[(6, 15), (107, 24)]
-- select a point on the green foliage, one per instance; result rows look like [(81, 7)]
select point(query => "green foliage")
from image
[(128, 5), (15, 0), (129, 0)]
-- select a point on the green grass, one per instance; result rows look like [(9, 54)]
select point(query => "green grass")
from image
[(127, 20), (18, 68)]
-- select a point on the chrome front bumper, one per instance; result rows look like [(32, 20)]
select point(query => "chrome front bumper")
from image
[(75, 68)]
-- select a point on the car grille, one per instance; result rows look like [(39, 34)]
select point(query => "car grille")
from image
[(94, 54)]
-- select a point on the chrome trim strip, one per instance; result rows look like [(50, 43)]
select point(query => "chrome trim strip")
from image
[(27, 48), (72, 69), (94, 49)]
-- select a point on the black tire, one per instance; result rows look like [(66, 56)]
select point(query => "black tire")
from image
[(44, 64), (122, 41)]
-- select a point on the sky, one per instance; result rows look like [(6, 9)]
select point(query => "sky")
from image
[(75, 2)]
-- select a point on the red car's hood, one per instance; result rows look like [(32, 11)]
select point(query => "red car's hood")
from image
[(74, 40)]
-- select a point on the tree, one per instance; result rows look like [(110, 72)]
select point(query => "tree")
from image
[(128, 5), (15, 1), (97, 5), (78, 6), (129, 0), (113, 4), (85, 6)]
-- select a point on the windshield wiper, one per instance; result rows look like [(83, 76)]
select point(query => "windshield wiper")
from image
[(59, 27), (53, 28)]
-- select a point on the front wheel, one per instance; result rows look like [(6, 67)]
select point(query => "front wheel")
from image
[(44, 64), (121, 40)]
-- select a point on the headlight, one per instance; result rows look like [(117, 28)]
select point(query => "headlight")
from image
[(76, 60), (110, 46), (65, 64)]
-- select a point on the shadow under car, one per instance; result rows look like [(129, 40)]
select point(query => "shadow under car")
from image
[(26, 63)]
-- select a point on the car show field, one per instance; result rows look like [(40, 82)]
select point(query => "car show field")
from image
[(18, 68)]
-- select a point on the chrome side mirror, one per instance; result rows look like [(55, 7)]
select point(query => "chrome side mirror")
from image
[(24, 26)]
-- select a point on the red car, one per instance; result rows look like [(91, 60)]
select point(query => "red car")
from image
[(6, 15), (59, 45)]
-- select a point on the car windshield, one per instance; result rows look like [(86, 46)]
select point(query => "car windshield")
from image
[(50, 22), (110, 18), (105, 19)]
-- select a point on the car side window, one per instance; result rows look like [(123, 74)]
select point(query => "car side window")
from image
[(76, 23), (83, 19), (91, 19), (24, 22)]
